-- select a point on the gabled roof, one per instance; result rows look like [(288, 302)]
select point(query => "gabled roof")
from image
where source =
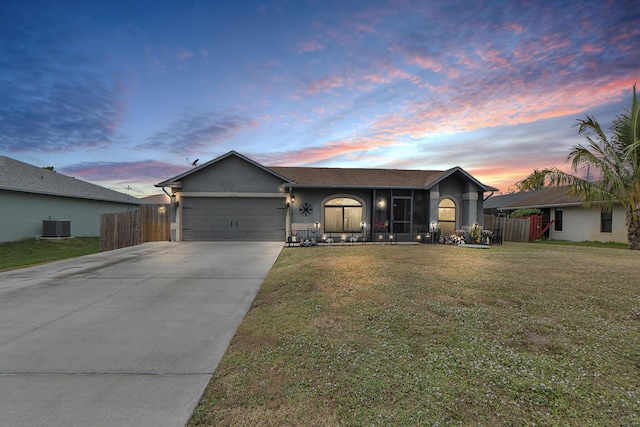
[(543, 198), (26, 178), (175, 181), (368, 178), (344, 177)]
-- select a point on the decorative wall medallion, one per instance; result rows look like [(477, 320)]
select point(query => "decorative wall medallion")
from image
[(306, 209)]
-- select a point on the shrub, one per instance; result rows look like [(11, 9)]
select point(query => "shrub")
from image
[(520, 213)]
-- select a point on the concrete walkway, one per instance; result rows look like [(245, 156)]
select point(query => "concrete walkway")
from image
[(122, 338)]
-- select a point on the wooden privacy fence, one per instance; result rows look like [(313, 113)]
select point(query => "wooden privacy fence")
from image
[(149, 223), (512, 229)]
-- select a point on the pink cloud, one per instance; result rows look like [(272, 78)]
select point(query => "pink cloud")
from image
[(310, 46), (592, 48), (376, 78), (555, 41), (184, 55), (326, 152), (142, 170), (365, 28), (426, 62), (517, 104), (326, 83), (493, 59)]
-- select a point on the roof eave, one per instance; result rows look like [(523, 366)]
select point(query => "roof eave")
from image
[(366, 187), (458, 169), (170, 184), (542, 206), (133, 201)]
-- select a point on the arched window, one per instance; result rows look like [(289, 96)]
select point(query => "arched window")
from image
[(447, 216), (342, 214)]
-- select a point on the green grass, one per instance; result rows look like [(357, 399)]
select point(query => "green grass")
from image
[(595, 244), (520, 334), (23, 253)]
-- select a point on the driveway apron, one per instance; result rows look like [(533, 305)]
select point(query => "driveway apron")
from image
[(123, 338)]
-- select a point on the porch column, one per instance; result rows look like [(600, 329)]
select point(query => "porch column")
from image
[(469, 208), (434, 198)]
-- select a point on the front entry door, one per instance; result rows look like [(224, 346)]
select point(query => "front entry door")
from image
[(401, 215)]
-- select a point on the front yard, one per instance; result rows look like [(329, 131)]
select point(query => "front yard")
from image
[(520, 334)]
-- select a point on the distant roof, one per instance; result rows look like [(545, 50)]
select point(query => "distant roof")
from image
[(158, 199), (543, 198), (23, 177), (346, 177)]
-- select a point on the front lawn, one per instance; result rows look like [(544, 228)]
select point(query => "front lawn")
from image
[(23, 253), (520, 334)]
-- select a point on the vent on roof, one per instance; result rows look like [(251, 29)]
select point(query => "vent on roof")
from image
[(52, 228)]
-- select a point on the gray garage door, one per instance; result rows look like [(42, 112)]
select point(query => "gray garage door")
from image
[(233, 218)]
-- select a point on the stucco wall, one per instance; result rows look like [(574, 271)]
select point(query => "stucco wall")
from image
[(580, 224), (315, 197), (232, 174), (21, 214)]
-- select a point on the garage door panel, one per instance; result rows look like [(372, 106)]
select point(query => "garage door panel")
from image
[(211, 218)]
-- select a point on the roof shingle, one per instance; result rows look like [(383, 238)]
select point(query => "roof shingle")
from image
[(19, 176), (340, 177), (543, 198)]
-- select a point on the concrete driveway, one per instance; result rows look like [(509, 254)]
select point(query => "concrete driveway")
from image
[(122, 338)]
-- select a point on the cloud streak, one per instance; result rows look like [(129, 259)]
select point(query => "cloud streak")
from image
[(46, 108), (197, 132)]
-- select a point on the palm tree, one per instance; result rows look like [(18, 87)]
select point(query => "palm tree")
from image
[(536, 181), (618, 161)]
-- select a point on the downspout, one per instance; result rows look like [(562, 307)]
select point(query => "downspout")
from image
[(173, 212), (165, 192), (486, 198)]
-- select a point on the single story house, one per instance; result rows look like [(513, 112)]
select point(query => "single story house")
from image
[(235, 198), (30, 196), (572, 221)]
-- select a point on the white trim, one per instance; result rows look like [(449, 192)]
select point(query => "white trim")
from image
[(458, 206), (324, 201), (230, 194)]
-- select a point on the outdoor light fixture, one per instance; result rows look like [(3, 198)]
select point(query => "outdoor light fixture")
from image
[(162, 209)]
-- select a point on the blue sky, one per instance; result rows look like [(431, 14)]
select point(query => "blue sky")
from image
[(126, 94)]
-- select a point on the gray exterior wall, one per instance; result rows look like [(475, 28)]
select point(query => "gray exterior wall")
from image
[(233, 175), (316, 198), (468, 198), (21, 214)]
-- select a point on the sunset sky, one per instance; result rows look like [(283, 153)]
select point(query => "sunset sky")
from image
[(126, 94)]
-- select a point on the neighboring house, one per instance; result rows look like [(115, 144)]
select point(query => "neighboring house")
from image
[(158, 199), (571, 219), (30, 195), (235, 198)]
